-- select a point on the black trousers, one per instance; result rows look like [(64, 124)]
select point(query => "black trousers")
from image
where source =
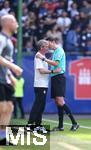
[(38, 106), (18, 102)]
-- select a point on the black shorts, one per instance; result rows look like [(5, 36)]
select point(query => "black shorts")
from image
[(58, 84), (6, 92)]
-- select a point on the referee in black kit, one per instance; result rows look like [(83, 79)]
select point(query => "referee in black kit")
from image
[(58, 82)]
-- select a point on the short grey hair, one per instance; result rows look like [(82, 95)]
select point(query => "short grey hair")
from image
[(41, 43)]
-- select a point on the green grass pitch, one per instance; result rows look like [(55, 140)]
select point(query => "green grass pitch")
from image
[(61, 140)]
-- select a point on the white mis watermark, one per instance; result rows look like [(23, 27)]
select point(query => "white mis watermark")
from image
[(20, 135)]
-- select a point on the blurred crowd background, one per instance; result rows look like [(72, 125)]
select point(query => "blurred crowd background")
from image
[(69, 20)]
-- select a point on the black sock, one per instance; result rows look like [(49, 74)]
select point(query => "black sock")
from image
[(60, 115), (30, 122), (68, 112), (38, 121)]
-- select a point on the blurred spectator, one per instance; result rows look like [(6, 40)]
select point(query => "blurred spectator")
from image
[(60, 8), (6, 8), (86, 6), (64, 21), (1, 4), (28, 33), (32, 18), (34, 6), (40, 17), (69, 4), (19, 93), (49, 20), (79, 3), (40, 31), (83, 20), (72, 40), (51, 5), (24, 13), (56, 32), (74, 11), (89, 45), (86, 39), (42, 10), (75, 21), (1, 1), (29, 47)]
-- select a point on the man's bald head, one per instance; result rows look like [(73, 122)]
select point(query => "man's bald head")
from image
[(9, 23), (6, 18)]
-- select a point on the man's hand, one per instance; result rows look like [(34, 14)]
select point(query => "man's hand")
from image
[(57, 70), (38, 55), (16, 69)]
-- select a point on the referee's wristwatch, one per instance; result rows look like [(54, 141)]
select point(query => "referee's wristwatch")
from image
[(52, 71)]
